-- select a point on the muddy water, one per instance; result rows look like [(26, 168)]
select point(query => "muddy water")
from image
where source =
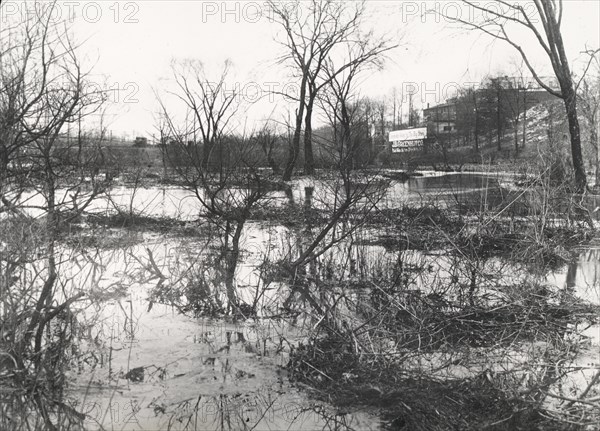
[(148, 367), (182, 204), (582, 276), (151, 368)]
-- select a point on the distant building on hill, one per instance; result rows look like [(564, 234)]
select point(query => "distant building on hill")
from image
[(441, 119), (479, 110), (443, 122)]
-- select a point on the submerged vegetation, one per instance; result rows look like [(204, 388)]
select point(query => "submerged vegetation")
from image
[(442, 360)]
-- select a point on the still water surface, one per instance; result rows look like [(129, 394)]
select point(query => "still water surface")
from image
[(213, 374)]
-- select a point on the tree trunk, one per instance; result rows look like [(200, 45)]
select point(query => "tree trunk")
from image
[(383, 128), (206, 151), (574, 131), (294, 148), (347, 148), (308, 197), (309, 162), (267, 148), (498, 120), (293, 152), (571, 281), (524, 121), (595, 145), (37, 322), (517, 138), (476, 120), (273, 165), (231, 265)]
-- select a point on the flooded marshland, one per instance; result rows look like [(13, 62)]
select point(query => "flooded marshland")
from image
[(213, 232), (166, 334)]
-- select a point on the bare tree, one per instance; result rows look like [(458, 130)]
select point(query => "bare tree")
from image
[(413, 114), (498, 19), (230, 194), (496, 93), (397, 102), (523, 86), (210, 106), (43, 90), (341, 102), (589, 97), (314, 31), (515, 102), (267, 139)]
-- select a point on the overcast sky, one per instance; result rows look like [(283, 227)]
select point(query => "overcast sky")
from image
[(131, 45)]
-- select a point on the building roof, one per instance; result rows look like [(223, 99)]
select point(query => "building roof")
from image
[(438, 107)]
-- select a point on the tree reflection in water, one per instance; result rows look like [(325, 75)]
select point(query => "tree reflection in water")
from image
[(260, 410)]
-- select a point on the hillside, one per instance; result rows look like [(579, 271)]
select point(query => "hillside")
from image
[(547, 139)]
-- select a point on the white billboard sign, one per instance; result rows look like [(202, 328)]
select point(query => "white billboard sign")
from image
[(407, 146), (408, 134)]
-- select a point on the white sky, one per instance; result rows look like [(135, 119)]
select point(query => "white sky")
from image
[(131, 45)]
